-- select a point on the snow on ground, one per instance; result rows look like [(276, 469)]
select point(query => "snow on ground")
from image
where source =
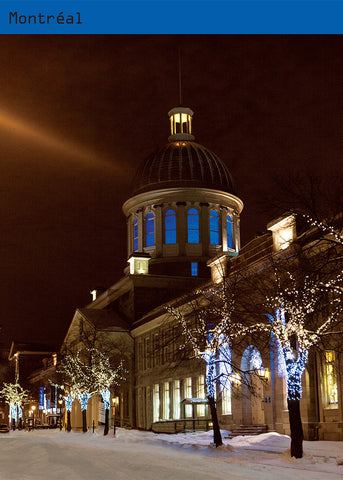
[(133, 455)]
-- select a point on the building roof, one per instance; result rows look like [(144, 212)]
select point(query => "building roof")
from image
[(104, 319), (182, 164), (29, 349)]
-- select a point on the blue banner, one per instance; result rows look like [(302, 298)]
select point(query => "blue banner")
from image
[(41, 398), (167, 17)]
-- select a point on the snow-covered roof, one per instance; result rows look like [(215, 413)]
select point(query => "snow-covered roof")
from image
[(104, 319)]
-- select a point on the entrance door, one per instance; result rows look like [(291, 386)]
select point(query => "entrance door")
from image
[(252, 398), (257, 412)]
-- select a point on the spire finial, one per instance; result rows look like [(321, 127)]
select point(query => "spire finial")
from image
[(180, 72), (180, 117)]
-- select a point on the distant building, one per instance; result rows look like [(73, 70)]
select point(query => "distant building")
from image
[(26, 358)]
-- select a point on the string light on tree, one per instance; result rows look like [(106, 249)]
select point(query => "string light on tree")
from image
[(328, 229), (69, 402), (86, 373), (84, 397), (15, 395), (209, 338), (300, 312), (106, 397)]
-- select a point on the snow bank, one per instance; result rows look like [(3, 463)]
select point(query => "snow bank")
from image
[(271, 439), (133, 454)]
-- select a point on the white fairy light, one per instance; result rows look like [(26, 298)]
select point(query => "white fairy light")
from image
[(83, 398), (106, 397), (293, 307), (15, 395), (210, 341), (69, 402), (86, 373), (325, 228)]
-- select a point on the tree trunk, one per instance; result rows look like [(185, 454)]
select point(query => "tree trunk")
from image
[(13, 424), (297, 435), (217, 437), (84, 421), (68, 422), (107, 412)]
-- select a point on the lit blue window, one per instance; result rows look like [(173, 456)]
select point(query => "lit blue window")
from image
[(229, 230), (193, 225), (214, 228), (170, 226), (149, 230), (194, 269), (135, 235)]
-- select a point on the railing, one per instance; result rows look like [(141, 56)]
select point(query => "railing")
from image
[(182, 425)]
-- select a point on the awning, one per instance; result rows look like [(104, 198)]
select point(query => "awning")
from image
[(194, 401)]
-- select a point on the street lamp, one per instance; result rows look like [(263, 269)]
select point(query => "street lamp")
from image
[(33, 408), (60, 407), (263, 373), (235, 378), (115, 402)]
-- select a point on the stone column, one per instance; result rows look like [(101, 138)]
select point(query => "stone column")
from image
[(204, 228), (158, 229), (129, 224), (181, 227), (140, 230), (223, 218)]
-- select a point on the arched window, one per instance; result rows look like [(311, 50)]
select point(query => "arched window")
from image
[(214, 228), (229, 230), (149, 230), (170, 226), (225, 362), (251, 359), (193, 225), (135, 235), (331, 378)]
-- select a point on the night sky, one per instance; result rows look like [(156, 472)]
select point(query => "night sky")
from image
[(79, 113)]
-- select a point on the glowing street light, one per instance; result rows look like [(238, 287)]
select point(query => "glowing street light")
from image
[(33, 408), (60, 402), (261, 372), (115, 402)]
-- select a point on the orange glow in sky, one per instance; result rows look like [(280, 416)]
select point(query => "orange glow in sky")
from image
[(33, 133)]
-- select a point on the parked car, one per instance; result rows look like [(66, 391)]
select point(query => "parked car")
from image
[(4, 428)]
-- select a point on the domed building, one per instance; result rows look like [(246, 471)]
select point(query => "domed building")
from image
[(184, 209), (182, 238)]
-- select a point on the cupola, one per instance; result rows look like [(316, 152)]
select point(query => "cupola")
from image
[(180, 124)]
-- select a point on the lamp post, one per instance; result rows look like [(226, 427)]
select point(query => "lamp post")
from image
[(33, 408), (115, 402), (60, 404)]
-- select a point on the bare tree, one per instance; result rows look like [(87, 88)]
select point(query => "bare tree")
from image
[(209, 333), (15, 396), (85, 373), (77, 383), (105, 377), (305, 192), (299, 311)]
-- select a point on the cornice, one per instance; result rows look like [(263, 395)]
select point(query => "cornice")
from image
[(166, 195)]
